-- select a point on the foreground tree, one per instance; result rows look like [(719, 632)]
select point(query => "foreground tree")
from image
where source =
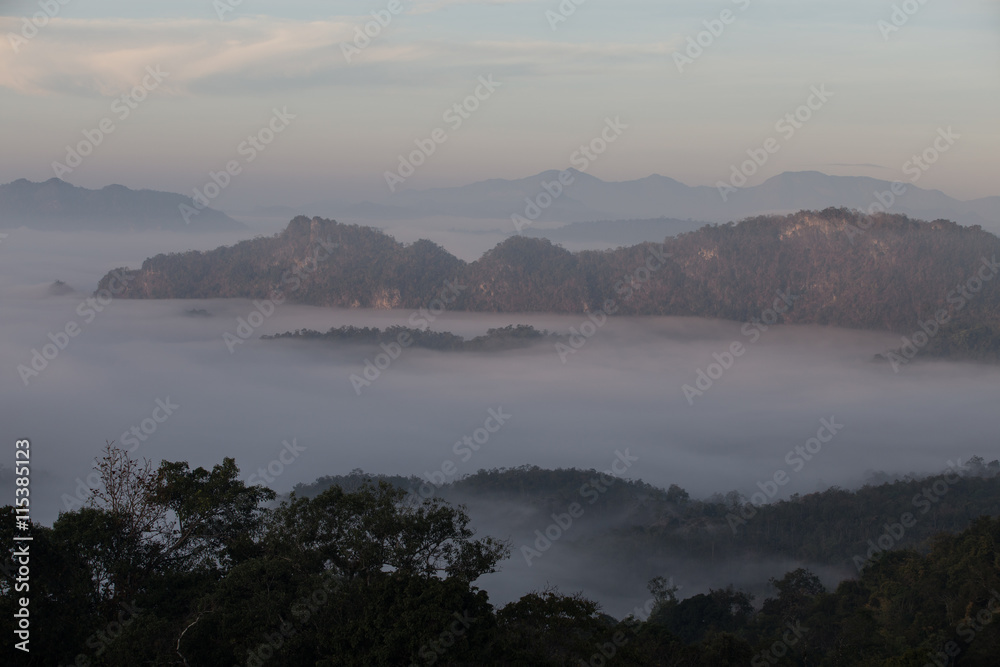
[(181, 566)]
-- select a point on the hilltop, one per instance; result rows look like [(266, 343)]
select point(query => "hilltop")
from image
[(839, 267)]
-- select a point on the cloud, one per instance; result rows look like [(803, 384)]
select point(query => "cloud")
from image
[(107, 57)]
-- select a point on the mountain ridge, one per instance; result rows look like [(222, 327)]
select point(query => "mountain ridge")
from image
[(589, 198), (56, 205), (881, 272)]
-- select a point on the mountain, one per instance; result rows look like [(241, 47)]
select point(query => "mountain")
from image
[(837, 267), (59, 206), (499, 198), (315, 261), (616, 232), (588, 198)]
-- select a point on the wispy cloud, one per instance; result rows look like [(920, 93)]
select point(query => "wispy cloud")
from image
[(252, 54)]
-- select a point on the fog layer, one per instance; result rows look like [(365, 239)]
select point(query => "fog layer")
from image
[(289, 412)]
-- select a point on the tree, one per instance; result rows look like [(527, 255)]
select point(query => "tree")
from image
[(796, 591), (358, 578), (218, 518), (377, 529)]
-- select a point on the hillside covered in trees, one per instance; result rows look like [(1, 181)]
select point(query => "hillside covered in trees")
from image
[(494, 340), (170, 565), (884, 272), (829, 528)]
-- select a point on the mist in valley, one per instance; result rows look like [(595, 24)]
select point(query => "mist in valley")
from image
[(159, 378)]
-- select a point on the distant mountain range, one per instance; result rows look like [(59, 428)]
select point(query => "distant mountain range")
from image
[(615, 213), (589, 198), (59, 206)]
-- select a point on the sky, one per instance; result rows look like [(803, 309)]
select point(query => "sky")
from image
[(560, 72)]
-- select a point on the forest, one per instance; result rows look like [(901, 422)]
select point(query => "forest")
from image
[(879, 272), (511, 337), (168, 565), (824, 528)]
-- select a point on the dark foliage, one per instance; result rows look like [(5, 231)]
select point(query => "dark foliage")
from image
[(175, 566)]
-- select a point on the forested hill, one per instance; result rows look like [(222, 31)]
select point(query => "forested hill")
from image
[(829, 528), (841, 268), (179, 566), (496, 340)]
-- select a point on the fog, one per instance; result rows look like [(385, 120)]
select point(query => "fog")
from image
[(621, 391)]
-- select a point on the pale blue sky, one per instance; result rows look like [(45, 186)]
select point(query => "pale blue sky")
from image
[(610, 58)]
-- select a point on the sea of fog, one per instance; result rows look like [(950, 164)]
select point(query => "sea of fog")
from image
[(155, 367)]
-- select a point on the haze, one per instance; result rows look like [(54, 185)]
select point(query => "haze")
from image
[(271, 110), (559, 80), (622, 391)]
